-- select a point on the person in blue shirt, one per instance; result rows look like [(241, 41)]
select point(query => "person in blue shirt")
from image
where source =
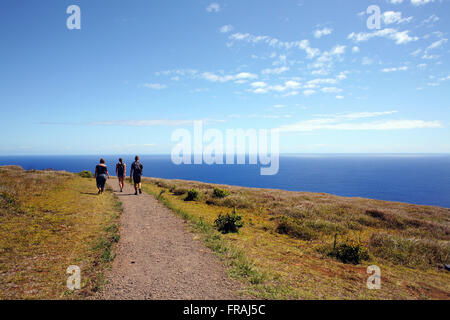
[(101, 175)]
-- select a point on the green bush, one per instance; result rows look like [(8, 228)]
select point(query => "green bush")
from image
[(192, 195), (349, 252), (161, 194), (86, 174), (229, 222), (162, 184), (221, 193), (178, 191)]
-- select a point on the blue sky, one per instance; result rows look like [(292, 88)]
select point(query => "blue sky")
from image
[(137, 70)]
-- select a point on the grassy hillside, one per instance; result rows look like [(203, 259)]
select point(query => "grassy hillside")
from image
[(298, 245), (48, 221)]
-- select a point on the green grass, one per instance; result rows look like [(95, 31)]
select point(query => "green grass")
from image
[(282, 251), (239, 267), (48, 221)]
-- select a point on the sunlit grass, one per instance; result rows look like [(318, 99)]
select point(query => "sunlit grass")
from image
[(57, 220), (289, 267)]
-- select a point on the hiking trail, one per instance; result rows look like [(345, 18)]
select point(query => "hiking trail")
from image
[(158, 258)]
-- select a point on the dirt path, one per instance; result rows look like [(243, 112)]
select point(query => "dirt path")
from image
[(157, 258)]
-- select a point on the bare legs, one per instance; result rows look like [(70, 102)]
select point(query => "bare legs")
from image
[(121, 181), (137, 186)]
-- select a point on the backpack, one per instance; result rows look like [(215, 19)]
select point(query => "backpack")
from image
[(120, 168), (137, 166)]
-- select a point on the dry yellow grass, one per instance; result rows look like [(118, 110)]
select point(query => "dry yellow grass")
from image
[(293, 268), (48, 221)]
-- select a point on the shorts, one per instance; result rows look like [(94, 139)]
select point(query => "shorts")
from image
[(137, 179), (101, 180)]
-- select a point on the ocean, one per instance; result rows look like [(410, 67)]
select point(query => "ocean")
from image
[(411, 178)]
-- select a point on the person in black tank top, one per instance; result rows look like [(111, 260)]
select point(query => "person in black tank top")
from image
[(121, 171), (101, 175), (136, 173)]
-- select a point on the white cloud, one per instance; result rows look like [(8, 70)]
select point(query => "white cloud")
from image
[(338, 50), (199, 90), (348, 122), (246, 75), (390, 17), (330, 90), (431, 19), (400, 37), (404, 68), (213, 7), (154, 86), (395, 1), (225, 78), (259, 84), (274, 42), (226, 29), (150, 123), (309, 92), (290, 94), (436, 44), (320, 72), (322, 32), (279, 70), (416, 52), (420, 2), (355, 49)]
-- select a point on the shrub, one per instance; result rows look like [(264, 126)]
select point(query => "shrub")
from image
[(410, 252), (178, 191), (86, 174), (162, 184), (229, 222), (192, 195), (161, 194), (297, 230), (348, 252), (221, 193)]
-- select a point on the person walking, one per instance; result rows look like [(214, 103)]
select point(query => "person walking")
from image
[(121, 170), (101, 174), (136, 173)]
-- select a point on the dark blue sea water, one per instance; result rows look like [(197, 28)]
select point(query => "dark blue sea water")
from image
[(419, 179)]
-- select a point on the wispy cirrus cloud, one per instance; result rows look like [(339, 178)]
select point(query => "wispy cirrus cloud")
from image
[(212, 77), (420, 2), (276, 43), (404, 68), (154, 86), (136, 123), (349, 122), (319, 33), (390, 17), (400, 37)]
